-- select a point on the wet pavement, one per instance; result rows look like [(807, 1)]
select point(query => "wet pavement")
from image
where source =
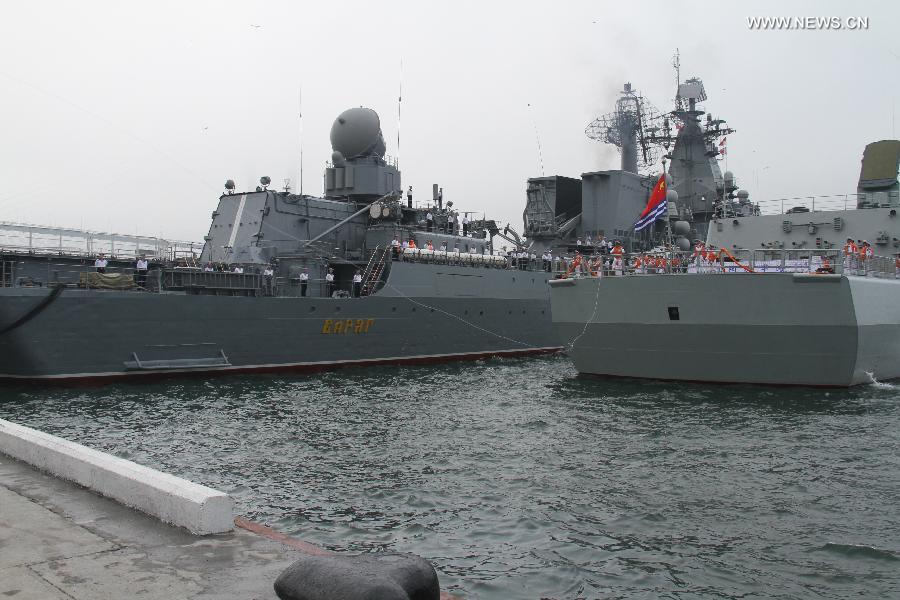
[(61, 541)]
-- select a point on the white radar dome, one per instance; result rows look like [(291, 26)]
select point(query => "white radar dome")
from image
[(357, 132)]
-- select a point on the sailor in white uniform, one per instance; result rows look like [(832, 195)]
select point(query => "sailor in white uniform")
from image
[(304, 281), (141, 271), (357, 283), (329, 282), (269, 280), (100, 264)]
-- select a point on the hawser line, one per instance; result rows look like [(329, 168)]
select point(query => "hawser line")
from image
[(458, 318)]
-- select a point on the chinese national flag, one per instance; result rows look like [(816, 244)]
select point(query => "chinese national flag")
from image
[(658, 195)]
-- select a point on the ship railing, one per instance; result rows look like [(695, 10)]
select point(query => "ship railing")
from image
[(736, 261), (826, 202), (162, 278), (39, 240), (7, 272), (57, 275)]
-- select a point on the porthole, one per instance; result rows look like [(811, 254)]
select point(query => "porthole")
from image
[(414, 309), (393, 309), (337, 309), (312, 308), (480, 313)]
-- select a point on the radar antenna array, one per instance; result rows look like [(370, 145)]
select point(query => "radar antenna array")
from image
[(631, 127)]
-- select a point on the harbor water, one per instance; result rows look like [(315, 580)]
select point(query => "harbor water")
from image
[(519, 479)]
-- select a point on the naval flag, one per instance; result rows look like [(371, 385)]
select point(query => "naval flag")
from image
[(656, 205)]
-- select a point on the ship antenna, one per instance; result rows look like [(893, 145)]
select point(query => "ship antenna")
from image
[(676, 62), (399, 103), (300, 108), (537, 136)]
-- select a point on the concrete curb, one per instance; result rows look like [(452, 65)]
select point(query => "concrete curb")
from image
[(171, 499)]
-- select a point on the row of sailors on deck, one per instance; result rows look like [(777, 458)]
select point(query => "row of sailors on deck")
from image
[(399, 248), (704, 258), (456, 223), (858, 249), (209, 267), (141, 266), (857, 253), (601, 243)]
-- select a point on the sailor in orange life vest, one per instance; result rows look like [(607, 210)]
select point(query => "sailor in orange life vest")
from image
[(575, 264), (699, 255), (850, 252), (826, 266), (712, 259), (865, 253), (639, 264), (618, 251), (661, 264)]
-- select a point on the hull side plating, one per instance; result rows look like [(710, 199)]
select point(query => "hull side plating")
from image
[(426, 313), (784, 329)]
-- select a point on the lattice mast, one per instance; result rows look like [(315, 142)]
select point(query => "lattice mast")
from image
[(630, 127)]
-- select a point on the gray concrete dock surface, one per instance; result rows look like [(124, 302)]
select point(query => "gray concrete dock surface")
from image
[(61, 541)]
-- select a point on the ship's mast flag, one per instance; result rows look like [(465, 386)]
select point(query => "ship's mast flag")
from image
[(657, 206)]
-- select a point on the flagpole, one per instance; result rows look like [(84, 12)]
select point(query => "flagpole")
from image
[(668, 214)]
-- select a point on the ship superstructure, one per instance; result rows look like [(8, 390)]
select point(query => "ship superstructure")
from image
[(685, 142)]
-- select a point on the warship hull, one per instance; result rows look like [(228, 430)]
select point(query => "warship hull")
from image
[(425, 313), (779, 328)]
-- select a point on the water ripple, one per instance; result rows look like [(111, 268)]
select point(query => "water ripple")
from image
[(520, 479)]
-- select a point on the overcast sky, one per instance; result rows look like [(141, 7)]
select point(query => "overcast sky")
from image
[(129, 116)]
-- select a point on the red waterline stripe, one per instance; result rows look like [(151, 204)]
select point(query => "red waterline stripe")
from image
[(304, 547), (297, 368), (268, 532), (823, 386)]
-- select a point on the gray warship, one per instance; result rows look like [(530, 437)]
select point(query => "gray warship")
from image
[(799, 291), (284, 281)]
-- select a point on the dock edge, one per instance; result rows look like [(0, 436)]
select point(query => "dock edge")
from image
[(197, 508)]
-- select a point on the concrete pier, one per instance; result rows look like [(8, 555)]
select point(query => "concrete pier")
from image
[(170, 499), (61, 541)]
